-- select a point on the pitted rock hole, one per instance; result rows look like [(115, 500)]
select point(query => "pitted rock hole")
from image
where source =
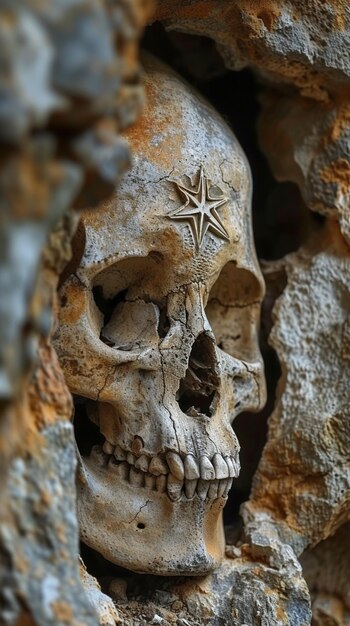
[(201, 382)]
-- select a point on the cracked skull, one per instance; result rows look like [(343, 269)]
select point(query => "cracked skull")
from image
[(157, 337)]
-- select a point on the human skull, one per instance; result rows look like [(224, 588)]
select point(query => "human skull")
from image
[(158, 331)]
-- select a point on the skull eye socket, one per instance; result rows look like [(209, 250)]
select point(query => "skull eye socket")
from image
[(107, 305), (123, 294), (233, 310)]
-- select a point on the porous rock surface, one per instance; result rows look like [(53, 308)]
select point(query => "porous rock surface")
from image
[(326, 569), (69, 82), (245, 589), (303, 476), (308, 143), (42, 573), (302, 43)]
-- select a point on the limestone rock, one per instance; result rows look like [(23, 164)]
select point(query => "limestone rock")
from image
[(103, 604), (308, 143), (66, 68), (247, 589), (39, 536), (58, 145), (303, 482), (326, 569), (303, 43)]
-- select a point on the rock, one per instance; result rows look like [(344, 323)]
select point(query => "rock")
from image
[(103, 604), (326, 570), (296, 43), (246, 590), (303, 483), (308, 143), (66, 68), (39, 536)]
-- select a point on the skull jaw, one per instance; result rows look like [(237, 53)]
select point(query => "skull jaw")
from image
[(145, 531)]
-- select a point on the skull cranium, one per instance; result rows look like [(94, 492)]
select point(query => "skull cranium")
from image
[(158, 330)]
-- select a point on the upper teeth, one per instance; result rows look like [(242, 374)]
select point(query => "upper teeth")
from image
[(187, 476)]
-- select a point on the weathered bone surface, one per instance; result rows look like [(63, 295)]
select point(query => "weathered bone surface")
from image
[(157, 337)]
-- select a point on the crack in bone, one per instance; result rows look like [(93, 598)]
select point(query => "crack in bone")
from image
[(139, 511)]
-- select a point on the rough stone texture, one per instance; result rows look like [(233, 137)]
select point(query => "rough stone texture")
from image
[(37, 189), (303, 479), (309, 144), (301, 490), (303, 43), (245, 589), (326, 569), (75, 61), (39, 538), (103, 604), (70, 76), (69, 82)]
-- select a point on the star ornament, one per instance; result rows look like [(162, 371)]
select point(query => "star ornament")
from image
[(200, 210)]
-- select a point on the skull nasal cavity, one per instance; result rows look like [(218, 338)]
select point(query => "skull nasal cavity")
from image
[(199, 386)]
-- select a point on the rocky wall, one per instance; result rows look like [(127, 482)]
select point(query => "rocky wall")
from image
[(70, 82)]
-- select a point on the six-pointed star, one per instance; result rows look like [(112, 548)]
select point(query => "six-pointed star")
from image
[(200, 209)]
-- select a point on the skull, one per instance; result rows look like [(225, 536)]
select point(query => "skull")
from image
[(157, 336)]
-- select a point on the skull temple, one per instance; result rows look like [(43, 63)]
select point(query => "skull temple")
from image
[(157, 337)]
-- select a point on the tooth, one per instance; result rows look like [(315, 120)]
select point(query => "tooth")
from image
[(213, 490), (228, 487), (237, 466), (191, 467), (230, 466), (176, 465), (202, 488), (120, 469), (98, 455), (136, 478), (150, 481), (161, 483), (174, 487), (119, 453), (190, 488), (206, 469), (222, 487), (142, 463), (157, 466), (130, 458), (108, 448), (220, 466)]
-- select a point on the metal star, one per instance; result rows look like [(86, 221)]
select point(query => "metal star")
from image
[(200, 210)]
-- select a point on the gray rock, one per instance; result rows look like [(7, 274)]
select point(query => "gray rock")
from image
[(39, 537)]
